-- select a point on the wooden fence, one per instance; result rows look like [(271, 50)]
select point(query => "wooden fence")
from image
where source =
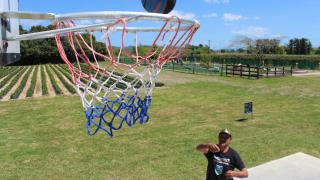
[(255, 72)]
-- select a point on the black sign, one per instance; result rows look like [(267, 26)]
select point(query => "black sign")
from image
[(248, 108)]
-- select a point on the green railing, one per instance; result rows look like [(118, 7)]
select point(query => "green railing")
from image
[(194, 68)]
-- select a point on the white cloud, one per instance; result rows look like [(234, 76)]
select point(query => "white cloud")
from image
[(231, 17), (256, 18), (187, 15), (279, 37), (251, 31), (217, 1), (211, 15)]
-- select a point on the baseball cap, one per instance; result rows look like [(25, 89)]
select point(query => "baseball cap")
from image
[(225, 131)]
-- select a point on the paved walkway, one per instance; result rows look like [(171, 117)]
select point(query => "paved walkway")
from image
[(298, 166), (307, 73)]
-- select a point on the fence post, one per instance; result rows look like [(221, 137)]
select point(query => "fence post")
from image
[(233, 70), (291, 70), (241, 71), (258, 72), (267, 72), (283, 73), (221, 70), (275, 71), (194, 68), (249, 72), (227, 69)]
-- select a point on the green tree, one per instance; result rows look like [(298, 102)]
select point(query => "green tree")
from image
[(43, 51), (301, 46), (281, 50), (267, 46), (317, 51)]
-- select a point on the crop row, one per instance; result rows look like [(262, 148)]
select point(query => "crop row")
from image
[(12, 83), (64, 82), (33, 82), (10, 76), (53, 75), (44, 82), (66, 72), (103, 78), (5, 71), (22, 84), (55, 86)]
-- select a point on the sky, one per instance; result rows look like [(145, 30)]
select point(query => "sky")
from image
[(221, 20)]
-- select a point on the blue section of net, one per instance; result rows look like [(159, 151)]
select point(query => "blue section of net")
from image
[(110, 115)]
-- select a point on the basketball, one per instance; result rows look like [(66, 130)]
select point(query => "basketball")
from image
[(159, 6)]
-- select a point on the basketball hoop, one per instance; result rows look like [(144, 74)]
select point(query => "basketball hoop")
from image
[(115, 93)]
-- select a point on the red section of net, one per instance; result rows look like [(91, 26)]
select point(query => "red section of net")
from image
[(158, 52)]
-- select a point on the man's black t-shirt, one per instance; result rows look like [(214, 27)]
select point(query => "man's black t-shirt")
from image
[(219, 163)]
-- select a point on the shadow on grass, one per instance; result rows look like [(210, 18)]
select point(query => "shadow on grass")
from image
[(242, 120)]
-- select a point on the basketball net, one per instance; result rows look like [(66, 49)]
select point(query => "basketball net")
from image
[(113, 92)]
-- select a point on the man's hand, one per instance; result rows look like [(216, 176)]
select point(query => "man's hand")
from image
[(241, 174), (205, 148), (213, 148), (230, 174)]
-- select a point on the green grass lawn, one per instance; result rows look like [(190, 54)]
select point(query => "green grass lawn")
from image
[(46, 138)]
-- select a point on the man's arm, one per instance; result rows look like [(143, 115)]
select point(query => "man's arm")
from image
[(243, 173), (239, 174), (205, 148)]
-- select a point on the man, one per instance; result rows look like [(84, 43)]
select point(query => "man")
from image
[(222, 159)]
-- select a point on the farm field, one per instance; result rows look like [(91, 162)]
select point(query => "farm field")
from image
[(21, 82)]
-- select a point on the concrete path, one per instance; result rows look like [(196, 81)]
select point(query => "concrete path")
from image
[(298, 166)]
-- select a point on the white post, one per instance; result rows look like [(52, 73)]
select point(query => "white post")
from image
[(10, 51)]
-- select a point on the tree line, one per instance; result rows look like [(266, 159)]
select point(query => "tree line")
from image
[(45, 51), (42, 51), (295, 46)]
